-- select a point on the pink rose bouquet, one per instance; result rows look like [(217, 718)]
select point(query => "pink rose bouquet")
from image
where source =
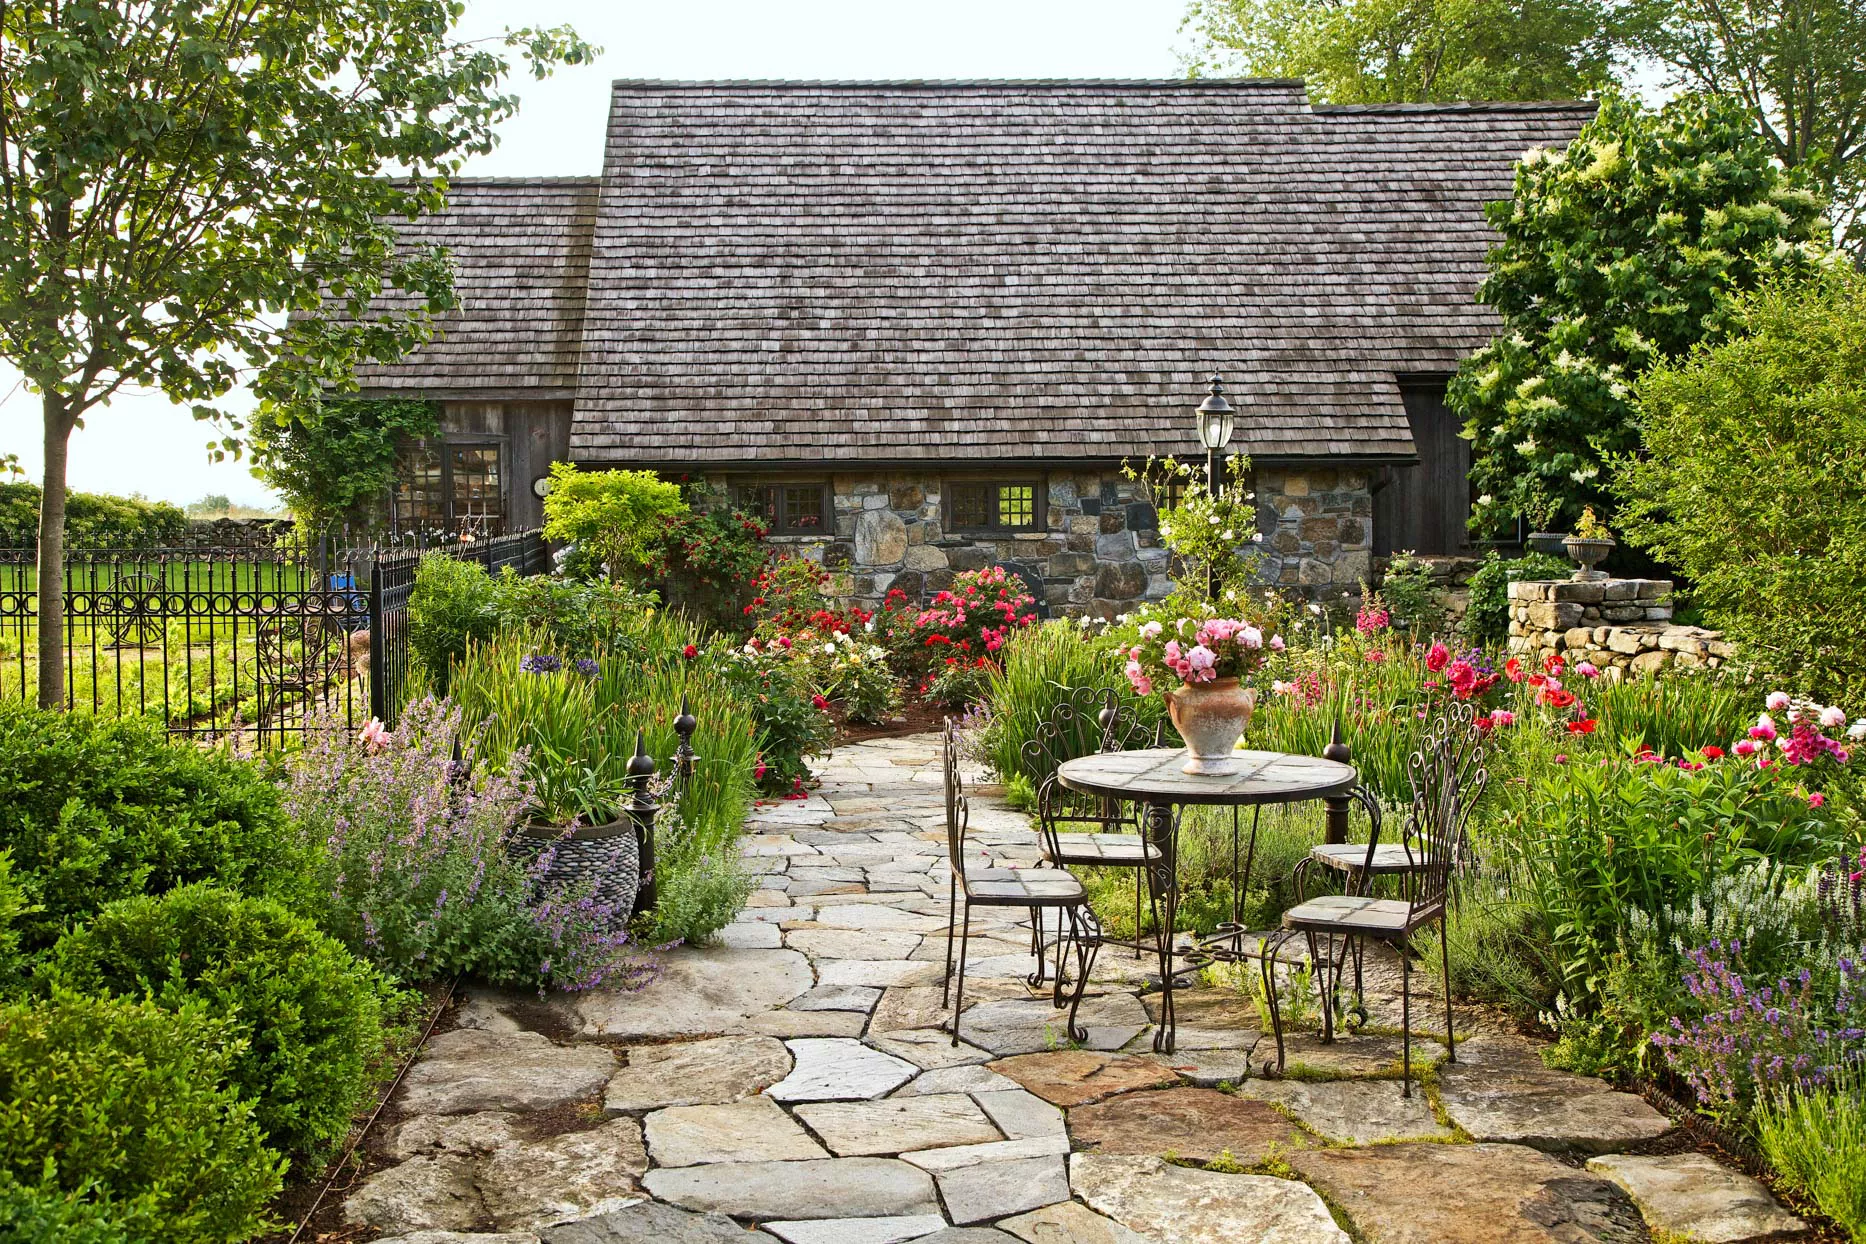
[(1161, 653)]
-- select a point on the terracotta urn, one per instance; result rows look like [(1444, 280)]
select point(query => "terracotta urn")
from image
[(1211, 718)]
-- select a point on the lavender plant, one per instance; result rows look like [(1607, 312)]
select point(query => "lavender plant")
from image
[(414, 859), (1747, 1042)]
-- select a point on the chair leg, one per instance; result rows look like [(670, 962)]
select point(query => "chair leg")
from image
[(1405, 1019), (1321, 971), (1056, 992), (1272, 947), (965, 944), (952, 915), (1036, 946), (1444, 971), (1084, 932)]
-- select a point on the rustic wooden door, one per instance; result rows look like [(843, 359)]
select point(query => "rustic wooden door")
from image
[(1424, 508)]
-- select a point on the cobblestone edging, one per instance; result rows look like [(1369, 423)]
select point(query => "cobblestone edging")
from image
[(1622, 626)]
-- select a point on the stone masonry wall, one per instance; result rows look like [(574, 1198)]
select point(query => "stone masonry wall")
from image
[(1623, 626), (1101, 550)]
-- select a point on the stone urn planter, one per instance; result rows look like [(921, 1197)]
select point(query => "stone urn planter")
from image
[(608, 855), (1587, 554), (1554, 543), (1211, 718)]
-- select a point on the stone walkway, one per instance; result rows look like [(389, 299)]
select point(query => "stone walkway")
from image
[(792, 1082)]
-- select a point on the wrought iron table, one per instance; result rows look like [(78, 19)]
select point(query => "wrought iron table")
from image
[(1154, 778)]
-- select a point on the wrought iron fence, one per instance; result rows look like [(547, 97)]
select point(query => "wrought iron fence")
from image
[(212, 639)]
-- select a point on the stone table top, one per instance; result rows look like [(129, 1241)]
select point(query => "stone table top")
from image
[(1154, 776)]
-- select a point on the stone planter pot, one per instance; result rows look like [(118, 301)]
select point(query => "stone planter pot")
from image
[(1554, 543), (1587, 554), (1211, 718), (607, 855)]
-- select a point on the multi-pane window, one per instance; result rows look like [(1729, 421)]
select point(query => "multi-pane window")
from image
[(994, 505), (788, 509), (451, 487)]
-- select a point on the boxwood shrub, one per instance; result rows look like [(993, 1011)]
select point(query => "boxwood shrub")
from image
[(311, 1015), (96, 810), (117, 1121)]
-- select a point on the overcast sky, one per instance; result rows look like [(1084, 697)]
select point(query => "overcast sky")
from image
[(143, 444)]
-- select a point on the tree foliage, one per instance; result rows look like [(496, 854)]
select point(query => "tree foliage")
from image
[(1753, 478), (622, 517), (192, 196), (1619, 252), (335, 464), (1797, 66), (1408, 51)]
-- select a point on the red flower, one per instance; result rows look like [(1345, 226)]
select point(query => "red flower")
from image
[(1556, 697), (1553, 664), (1513, 669), (1713, 752), (1584, 726), (820, 702), (690, 652), (1437, 658)]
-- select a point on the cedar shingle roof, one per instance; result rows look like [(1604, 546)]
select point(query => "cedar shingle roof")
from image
[(809, 272), (521, 251)]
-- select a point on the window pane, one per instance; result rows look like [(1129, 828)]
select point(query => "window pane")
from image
[(757, 500), (1017, 505), (971, 505), (477, 496), (803, 508), (421, 504)]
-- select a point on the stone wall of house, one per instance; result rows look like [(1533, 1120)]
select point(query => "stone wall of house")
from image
[(1623, 626), (1100, 552)]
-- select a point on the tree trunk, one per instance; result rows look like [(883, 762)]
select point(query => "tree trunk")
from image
[(52, 554)]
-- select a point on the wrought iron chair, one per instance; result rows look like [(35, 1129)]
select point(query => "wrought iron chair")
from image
[(1087, 831), (1447, 778), (1038, 889)]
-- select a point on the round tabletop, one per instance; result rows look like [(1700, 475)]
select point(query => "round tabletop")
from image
[(1155, 776)]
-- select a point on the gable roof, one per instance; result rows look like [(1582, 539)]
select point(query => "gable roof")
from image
[(944, 270), (797, 272), (521, 251)]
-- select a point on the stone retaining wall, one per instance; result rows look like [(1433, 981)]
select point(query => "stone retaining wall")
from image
[(1099, 551), (1620, 625)]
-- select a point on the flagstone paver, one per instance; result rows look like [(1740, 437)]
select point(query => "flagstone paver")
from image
[(1469, 1194), (796, 1080), (1695, 1197), (1195, 1124), (694, 1073), (753, 1130)]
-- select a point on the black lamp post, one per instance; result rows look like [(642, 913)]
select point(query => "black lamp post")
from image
[(1216, 421)]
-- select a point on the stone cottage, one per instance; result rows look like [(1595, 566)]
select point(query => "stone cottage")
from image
[(920, 325)]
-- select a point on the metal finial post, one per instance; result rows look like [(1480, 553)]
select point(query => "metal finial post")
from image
[(684, 726), (1335, 815), (641, 810)]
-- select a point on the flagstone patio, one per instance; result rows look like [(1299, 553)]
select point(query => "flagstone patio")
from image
[(792, 1082)]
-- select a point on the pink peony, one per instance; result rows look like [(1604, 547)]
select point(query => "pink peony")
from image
[(1276, 643), (1745, 747), (1777, 701), (1437, 657), (1587, 669), (1151, 630), (1832, 718)]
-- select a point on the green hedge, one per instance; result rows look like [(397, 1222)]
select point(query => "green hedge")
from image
[(310, 1013), (94, 520), (116, 1122), (92, 811)]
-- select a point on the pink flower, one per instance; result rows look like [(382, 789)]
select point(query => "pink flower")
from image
[(1202, 659), (1764, 729), (1745, 747), (1777, 701), (1587, 669), (1502, 717), (1376, 657), (1437, 658), (1172, 652), (1832, 718), (374, 735), (1249, 637), (1151, 630), (1561, 758), (1137, 679), (1816, 799), (1276, 643)]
